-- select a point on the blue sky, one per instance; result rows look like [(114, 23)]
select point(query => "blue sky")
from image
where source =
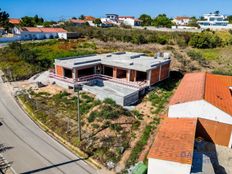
[(57, 9)]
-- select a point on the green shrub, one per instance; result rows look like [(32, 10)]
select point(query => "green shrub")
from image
[(139, 146), (138, 114), (92, 117), (109, 101), (116, 127), (205, 39)]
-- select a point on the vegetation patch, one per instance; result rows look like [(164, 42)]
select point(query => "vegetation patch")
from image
[(106, 127)]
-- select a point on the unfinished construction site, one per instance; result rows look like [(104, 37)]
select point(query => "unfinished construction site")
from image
[(122, 76)]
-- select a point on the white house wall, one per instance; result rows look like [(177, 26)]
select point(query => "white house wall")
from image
[(156, 166), (62, 36), (200, 109)]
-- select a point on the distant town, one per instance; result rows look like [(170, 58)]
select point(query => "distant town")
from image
[(35, 28)]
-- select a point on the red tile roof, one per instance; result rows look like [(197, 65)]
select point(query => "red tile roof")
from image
[(53, 30), (14, 21), (217, 91), (182, 17), (191, 88), (31, 29), (44, 30), (77, 21), (204, 86), (174, 140), (132, 17), (89, 18)]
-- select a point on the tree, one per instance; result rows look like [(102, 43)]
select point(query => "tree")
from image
[(97, 21), (82, 17), (162, 21), (193, 22), (4, 20), (37, 20), (146, 20), (204, 40), (27, 21), (229, 19)]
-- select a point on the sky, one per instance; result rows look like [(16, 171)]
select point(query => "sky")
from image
[(63, 9)]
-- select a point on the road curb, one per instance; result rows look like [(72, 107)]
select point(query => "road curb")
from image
[(56, 137)]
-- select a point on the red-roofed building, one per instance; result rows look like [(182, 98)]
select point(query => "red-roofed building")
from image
[(89, 18), (14, 21), (36, 33), (172, 150), (203, 95), (77, 22), (181, 20)]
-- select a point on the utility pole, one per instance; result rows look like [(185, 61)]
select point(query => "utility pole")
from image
[(78, 112)]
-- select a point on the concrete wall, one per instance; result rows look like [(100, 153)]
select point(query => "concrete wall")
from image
[(212, 131), (61, 83), (200, 109), (123, 95), (62, 35), (131, 99), (156, 166)]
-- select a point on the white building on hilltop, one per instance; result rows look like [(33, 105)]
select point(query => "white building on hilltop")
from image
[(214, 21)]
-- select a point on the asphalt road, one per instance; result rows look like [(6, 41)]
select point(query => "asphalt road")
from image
[(29, 148)]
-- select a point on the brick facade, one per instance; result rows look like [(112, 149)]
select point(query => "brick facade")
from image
[(154, 76), (165, 71), (59, 71)]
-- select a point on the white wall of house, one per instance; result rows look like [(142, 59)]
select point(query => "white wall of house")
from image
[(62, 35), (156, 166), (16, 31), (230, 143), (129, 21), (181, 22), (200, 109)]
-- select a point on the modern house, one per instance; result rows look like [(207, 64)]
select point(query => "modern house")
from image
[(125, 74), (36, 33), (181, 20), (110, 20), (112, 17), (203, 95), (214, 21)]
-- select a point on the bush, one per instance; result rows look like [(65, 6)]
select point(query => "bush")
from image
[(109, 101), (205, 39), (139, 146), (92, 116)]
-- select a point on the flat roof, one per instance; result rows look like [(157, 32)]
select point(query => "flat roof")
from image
[(175, 140), (126, 60)]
